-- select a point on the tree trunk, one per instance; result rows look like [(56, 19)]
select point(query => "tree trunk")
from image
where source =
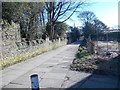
[(52, 31)]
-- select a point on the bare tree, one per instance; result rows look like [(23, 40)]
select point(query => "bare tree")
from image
[(59, 10), (99, 25), (92, 25), (87, 17)]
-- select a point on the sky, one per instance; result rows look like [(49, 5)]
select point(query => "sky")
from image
[(105, 10)]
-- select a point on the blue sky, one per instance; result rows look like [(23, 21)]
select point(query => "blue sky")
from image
[(105, 10)]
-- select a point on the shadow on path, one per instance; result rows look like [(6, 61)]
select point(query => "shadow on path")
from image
[(75, 43)]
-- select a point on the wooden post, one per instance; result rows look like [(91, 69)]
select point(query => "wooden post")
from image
[(34, 82)]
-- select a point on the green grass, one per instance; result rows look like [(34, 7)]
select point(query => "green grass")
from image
[(26, 55), (83, 53)]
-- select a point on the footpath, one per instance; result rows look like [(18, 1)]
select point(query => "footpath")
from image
[(53, 70)]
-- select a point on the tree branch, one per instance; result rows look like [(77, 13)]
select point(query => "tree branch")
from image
[(73, 11)]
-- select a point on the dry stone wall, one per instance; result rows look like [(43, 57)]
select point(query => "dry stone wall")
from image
[(0, 29), (12, 44), (10, 35)]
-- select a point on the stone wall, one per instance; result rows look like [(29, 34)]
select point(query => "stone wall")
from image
[(12, 44), (0, 41), (10, 35)]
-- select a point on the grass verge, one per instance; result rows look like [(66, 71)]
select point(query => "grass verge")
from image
[(26, 55)]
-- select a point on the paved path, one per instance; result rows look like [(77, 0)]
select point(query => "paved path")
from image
[(53, 70)]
